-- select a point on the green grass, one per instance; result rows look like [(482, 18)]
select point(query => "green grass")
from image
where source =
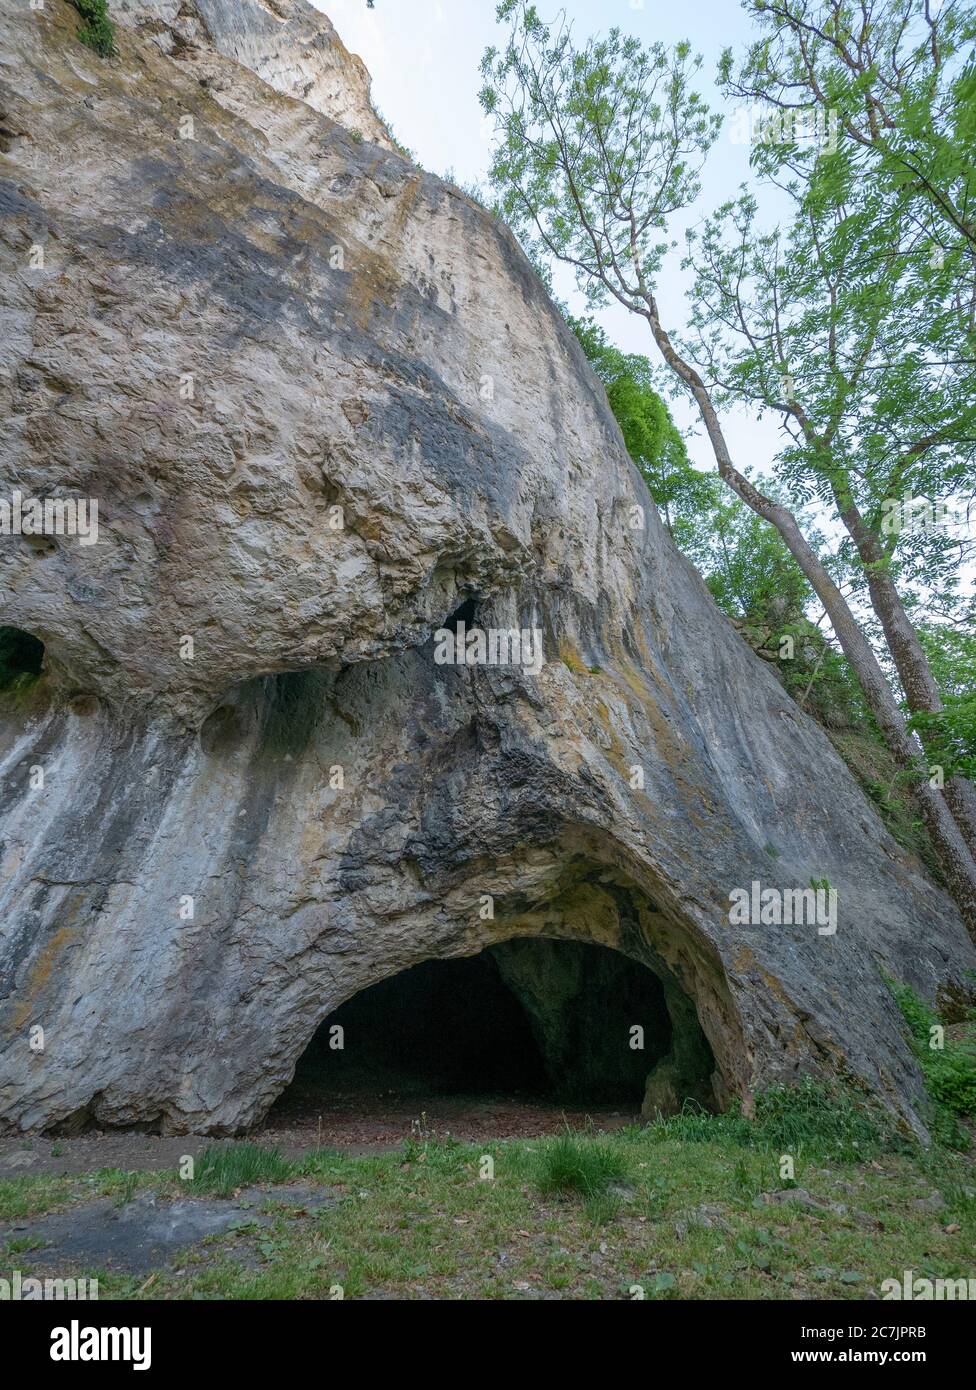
[(810, 1119), (949, 1069), (690, 1220), (33, 1196), (222, 1169), (824, 1120), (579, 1165)]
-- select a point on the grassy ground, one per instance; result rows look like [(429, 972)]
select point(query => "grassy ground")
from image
[(680, 1209)]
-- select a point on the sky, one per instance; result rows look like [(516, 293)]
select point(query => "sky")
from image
[(424, 56)]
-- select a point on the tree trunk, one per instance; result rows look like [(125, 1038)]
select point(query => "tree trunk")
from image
[(954, 854), (911, 663)]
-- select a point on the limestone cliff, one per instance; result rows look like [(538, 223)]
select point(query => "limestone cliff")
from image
[(289, 44), (325, 406)]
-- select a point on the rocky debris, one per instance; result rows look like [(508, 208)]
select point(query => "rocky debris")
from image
[(706, 1214), (327, 409), (932, 1202), (18, 1158), (799, 1197)]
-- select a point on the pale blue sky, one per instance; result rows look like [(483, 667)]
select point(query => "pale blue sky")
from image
[(424, 58)]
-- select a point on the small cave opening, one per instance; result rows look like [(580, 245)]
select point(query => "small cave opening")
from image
[(527, 1031), (466, 612), (21, 658)]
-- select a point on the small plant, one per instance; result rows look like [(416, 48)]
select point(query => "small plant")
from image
[(572, 1164), (127, 1189), (97, 32), (397, 144), (949, 1070), (223, 1169), (419, 1129), (443, 1153), (816, 1118), (821, 1118), (742, 1176)]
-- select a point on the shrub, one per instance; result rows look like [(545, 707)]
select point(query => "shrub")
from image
[(950, 1070), (98, 31)]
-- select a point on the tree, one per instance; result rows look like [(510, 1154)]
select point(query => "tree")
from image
[(752, 576), (828, 324), (598, 148), (885, 231), (896, 77)]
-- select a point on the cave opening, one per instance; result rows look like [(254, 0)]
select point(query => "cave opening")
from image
[(531, 1022), (21, 658)]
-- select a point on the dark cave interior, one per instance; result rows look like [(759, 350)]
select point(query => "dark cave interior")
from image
[(532, 1017), (21, 657)]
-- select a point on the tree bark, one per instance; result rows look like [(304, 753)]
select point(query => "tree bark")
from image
[(911, 663)]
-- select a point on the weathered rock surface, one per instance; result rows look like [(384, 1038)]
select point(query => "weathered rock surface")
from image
[(230, 337), (289, 44)]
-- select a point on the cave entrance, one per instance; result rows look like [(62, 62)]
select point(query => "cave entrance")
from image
[(509, 1040), (21, 658)]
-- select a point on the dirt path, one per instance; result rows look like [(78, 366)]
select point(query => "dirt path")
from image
[(357, 1123)]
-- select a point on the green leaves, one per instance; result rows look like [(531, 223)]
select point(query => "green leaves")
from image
[(852, 318), (597, 146), (97, 32), (949, 734), (686, 497)]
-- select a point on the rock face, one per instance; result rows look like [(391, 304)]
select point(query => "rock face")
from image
[(326, 409), (290, 45)]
